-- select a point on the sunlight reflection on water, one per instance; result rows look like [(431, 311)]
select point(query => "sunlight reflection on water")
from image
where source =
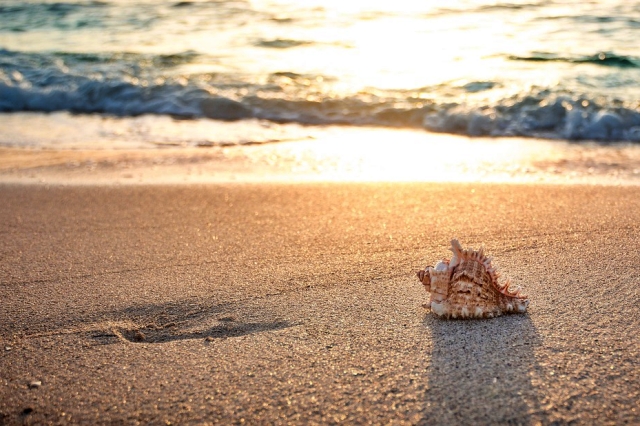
[(149, 74)]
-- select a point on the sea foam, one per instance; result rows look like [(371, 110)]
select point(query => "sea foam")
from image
[(50, 85)]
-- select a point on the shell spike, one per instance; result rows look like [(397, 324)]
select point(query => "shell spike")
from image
[(455, 246)]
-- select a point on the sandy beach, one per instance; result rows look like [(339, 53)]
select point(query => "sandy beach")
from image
[(215, 212), (298, 303)]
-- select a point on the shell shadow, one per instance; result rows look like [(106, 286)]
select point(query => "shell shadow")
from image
[(480, 371)]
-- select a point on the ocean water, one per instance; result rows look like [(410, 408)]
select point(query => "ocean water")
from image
[(551, 69)]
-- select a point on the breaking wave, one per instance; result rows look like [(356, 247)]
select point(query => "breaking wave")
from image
[(130, 84), (542, 116)]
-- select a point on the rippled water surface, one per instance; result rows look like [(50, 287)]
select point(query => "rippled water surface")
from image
[(548, 69)]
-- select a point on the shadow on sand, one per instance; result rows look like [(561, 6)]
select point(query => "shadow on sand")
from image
[(162, 323), (170, 334), (480, 371)]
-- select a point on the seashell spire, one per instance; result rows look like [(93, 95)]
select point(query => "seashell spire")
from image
[(467, 286)]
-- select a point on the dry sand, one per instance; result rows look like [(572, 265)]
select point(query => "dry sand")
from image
[(276, 303)]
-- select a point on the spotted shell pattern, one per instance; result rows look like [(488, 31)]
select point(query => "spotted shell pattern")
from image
[(467, 286)]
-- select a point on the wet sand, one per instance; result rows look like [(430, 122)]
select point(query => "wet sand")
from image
[(298, 303)]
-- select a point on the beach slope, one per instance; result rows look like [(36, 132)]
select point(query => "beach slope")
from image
[(277, 303)]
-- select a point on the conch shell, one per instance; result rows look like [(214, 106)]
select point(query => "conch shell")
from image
[(467, 287)]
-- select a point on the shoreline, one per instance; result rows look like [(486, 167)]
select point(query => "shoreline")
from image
[(337, 157)]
